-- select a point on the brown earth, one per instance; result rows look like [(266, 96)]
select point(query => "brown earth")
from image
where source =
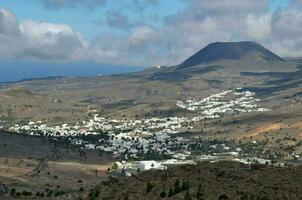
[(218, 180)]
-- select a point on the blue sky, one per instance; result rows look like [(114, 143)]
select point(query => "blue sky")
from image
[(140, 33), (81, 18), (277, 4)]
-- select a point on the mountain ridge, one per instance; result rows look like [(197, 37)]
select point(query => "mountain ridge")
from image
[(243, 50)]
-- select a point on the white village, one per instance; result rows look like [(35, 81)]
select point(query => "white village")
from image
[(154, 143)]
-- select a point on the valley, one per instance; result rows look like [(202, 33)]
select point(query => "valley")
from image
[(237, 103)]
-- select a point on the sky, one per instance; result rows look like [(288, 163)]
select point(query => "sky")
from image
[(141, 32)]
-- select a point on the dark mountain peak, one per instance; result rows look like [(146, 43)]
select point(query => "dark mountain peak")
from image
[(231, 51)]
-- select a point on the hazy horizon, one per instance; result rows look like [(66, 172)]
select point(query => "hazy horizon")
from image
[(17, 71)]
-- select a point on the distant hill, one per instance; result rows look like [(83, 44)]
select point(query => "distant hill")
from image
[(217, 51), (221, 61), (294, 59)]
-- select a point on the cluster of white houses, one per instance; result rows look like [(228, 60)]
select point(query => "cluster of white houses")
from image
[(145, 138), (229, 101)]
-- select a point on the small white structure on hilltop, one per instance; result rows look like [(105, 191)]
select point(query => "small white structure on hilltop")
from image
[(148, 165), (139, 165), (158, 66)]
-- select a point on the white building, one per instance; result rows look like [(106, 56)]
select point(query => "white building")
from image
[(147, 165)]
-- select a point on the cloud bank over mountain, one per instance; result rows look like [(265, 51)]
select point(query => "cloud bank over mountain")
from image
[(168, 42)]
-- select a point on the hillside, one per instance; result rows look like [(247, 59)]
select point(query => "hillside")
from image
[(211, 181), (154, 91), (256, 77), (224, 65)]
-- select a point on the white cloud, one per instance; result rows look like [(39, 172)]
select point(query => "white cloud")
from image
[(287, 23), (258, 27), (51, 41), (179, 36), (287, 31), (42, 41), (9, 34), (142, 35), (8, 23)]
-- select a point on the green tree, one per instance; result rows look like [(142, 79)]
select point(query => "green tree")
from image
[(171, 192), (177, 187), (49, 193), (25, 193), (13, 191), (244, 196), (96, 193), (223, 197), (199, 193), (163, 194), (185, 185), (149, 187), (187, 196)]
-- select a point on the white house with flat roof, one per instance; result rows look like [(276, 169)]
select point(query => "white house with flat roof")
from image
[(148, 164)]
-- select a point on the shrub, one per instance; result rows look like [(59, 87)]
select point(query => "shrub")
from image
[(177, 187), (163, 194), (223, 197), (25, 193), (187, 196), (13, 191), (171, 192), (199, 193), (149, 187)]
